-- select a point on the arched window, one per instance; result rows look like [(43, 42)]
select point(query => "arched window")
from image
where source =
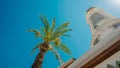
[(117, 64), (116, 25), (96, 41), (95, 26), (109, 66), (95, 18)]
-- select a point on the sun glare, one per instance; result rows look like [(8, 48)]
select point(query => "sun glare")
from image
[(115, 2)]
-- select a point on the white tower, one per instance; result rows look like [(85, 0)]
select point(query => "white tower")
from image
[(101, 24), (105, 51)]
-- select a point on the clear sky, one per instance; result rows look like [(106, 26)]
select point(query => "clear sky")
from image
[(16, 16)]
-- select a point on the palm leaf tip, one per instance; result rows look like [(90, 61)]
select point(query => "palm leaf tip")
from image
[(53, 24), (45, 22), (70, 30), (37, 33), (58, 57), (62, 26), (66, 24), (59, 33), (66, 35), (65, 49), (57, 41), (37, 46)]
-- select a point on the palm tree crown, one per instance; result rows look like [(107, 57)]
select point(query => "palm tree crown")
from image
[(51, 36)]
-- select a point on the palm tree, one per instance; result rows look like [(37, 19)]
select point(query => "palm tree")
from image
[(50, 40)]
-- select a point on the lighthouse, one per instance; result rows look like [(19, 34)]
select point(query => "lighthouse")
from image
[(101, 24), (105, 43)]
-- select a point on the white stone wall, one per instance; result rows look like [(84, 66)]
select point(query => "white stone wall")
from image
[(107, 35), (111, 60)]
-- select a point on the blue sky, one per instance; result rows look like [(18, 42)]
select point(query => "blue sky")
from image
[(16, 16)]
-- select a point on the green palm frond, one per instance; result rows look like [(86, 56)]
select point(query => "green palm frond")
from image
[(62, 46), (62, 26), (42, 30), (37, 46), (58, 57), (52, 36), (60, 33), (65, 48), (43, 33), (37, 33), (45, 22), (57, 41), (66, 35), (53, 24)]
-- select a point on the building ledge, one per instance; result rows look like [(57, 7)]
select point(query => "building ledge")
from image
[(99, 52)]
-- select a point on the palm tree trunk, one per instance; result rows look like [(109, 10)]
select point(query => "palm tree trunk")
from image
[(39, 59)]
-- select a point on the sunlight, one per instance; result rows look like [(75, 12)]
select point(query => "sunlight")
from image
[(115, 2)]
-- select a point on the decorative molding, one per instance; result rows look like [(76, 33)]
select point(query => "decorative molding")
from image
[(102, 56), (65, 65)]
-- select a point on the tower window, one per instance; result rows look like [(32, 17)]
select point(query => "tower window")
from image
[(117, 64), (109, 66), (96, 41), (96, 17), (95, 26), (116, 25)]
